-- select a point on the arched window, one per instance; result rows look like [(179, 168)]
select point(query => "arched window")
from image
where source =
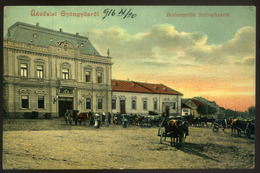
[(24, 66), (100, 74), (65, 71), (39, 66), (87, 74)]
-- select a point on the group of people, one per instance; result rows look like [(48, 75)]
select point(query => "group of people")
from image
[(99, 119), (217, 123), (95, 119)]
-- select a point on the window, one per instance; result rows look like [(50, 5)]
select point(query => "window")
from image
[(133, 104), (155, 105), (40, 71), (99, 77), (88, 103), (174, 105), (65, 73), (25, 102), (24, 69), (185, 110), (99, 103), (144, 104), (41, 102), (87, 75), (113, 104)]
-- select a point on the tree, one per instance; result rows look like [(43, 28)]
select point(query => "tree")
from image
[(212, 110), (230, 113), (206, 109), (202, 109), (251, 111)]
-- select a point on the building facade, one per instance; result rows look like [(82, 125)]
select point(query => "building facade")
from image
[(185, 110), (219, 112), (140, 98), (193, 105), (49, 71)]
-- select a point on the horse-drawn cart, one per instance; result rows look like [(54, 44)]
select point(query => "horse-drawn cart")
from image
[(175, 129), (239, 127)]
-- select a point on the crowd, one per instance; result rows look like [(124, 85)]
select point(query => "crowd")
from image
[(99, 119)]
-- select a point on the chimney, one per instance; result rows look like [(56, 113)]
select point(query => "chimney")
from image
[(37, 24), (60, 29)]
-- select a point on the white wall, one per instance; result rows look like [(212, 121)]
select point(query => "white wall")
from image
[(127, 96)]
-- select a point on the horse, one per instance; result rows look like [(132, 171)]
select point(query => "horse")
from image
[(235, 131), (138, 119), (250, 129), (239, 126), (177, 130), (83, 117)]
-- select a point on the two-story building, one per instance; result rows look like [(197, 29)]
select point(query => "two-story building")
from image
[(140, 98), (49, 71)]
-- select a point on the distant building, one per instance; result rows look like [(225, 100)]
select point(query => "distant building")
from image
[(213, 104), (193, 105), (140, 98), (185, 110), (49, 71)]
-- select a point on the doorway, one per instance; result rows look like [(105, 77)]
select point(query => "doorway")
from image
[(122, 106), (64, 104), (167, 110)]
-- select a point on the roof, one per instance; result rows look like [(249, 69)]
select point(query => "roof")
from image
[(197, 102), (185, 106), (183, 101), (139, 87), (201, 100), (23, 32)]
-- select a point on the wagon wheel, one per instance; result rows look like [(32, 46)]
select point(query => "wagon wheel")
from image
[(162, 134)]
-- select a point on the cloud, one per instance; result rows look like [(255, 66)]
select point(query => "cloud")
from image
[(164, 44), (249, 61), (182, 60), (242, 44)]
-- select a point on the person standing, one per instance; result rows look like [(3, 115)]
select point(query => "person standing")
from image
[(103, 118), (224, 124), (109, 118)]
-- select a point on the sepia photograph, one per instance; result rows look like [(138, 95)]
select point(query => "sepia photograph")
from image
[(128, 87)]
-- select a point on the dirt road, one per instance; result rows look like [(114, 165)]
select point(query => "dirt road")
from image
[(51, 144)]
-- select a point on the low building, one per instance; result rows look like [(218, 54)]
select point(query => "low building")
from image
[(140, 98), (185, 110), (193, 105), (49, 71)]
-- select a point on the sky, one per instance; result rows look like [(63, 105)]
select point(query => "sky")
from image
[(207, 51)]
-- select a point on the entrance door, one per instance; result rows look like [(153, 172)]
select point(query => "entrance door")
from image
[(64, 104), (167, 110), (122, 106)]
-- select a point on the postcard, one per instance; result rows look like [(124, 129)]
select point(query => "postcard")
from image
[(129, 87)]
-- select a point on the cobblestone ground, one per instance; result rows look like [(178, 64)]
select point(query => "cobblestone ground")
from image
[(51, 144)]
